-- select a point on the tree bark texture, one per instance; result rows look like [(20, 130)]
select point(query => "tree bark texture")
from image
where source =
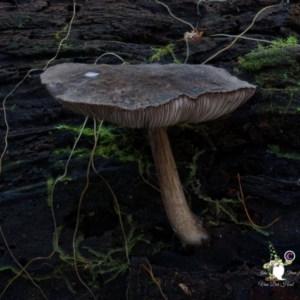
[(260, 141)]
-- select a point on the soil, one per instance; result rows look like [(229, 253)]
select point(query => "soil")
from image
[(258, 143)]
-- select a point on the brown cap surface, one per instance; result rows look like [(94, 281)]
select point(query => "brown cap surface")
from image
[(147, 95)]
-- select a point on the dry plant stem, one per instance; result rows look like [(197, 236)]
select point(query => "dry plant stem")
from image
[(140, 171), (246, 209), (118, 210), (5, 149), (109, 53), (185, 224), (19, 83), (55, 239), (79, 209), (14, 258), (171, 14), (187, 50), (154, 279), (240, 35)]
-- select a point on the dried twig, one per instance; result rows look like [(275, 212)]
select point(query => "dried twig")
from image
[(246, 210)]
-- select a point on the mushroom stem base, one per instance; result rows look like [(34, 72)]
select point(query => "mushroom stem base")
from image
[(185, 224)]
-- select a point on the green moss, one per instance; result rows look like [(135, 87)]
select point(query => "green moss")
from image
[(224, 207), (50, 183), (112, 143), (269, 56), (276, 71), (159, 53), (88, 132), (67, 47), (108, 263), (274, 149), (57, 35), (193, 166)]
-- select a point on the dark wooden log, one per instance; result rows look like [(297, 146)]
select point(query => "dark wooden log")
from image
[(260, 141)]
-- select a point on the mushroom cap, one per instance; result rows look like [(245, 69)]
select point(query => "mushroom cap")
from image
[(147, 95)]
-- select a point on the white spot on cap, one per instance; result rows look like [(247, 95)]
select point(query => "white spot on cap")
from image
[(91, 74), (55, 89)]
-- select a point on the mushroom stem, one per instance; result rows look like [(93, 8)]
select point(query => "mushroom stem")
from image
[(185, 224)]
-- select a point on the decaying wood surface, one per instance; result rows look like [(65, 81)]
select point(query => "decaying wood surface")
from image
[(228, 268)]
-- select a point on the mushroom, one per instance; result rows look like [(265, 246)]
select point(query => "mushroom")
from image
[(152, 96)]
